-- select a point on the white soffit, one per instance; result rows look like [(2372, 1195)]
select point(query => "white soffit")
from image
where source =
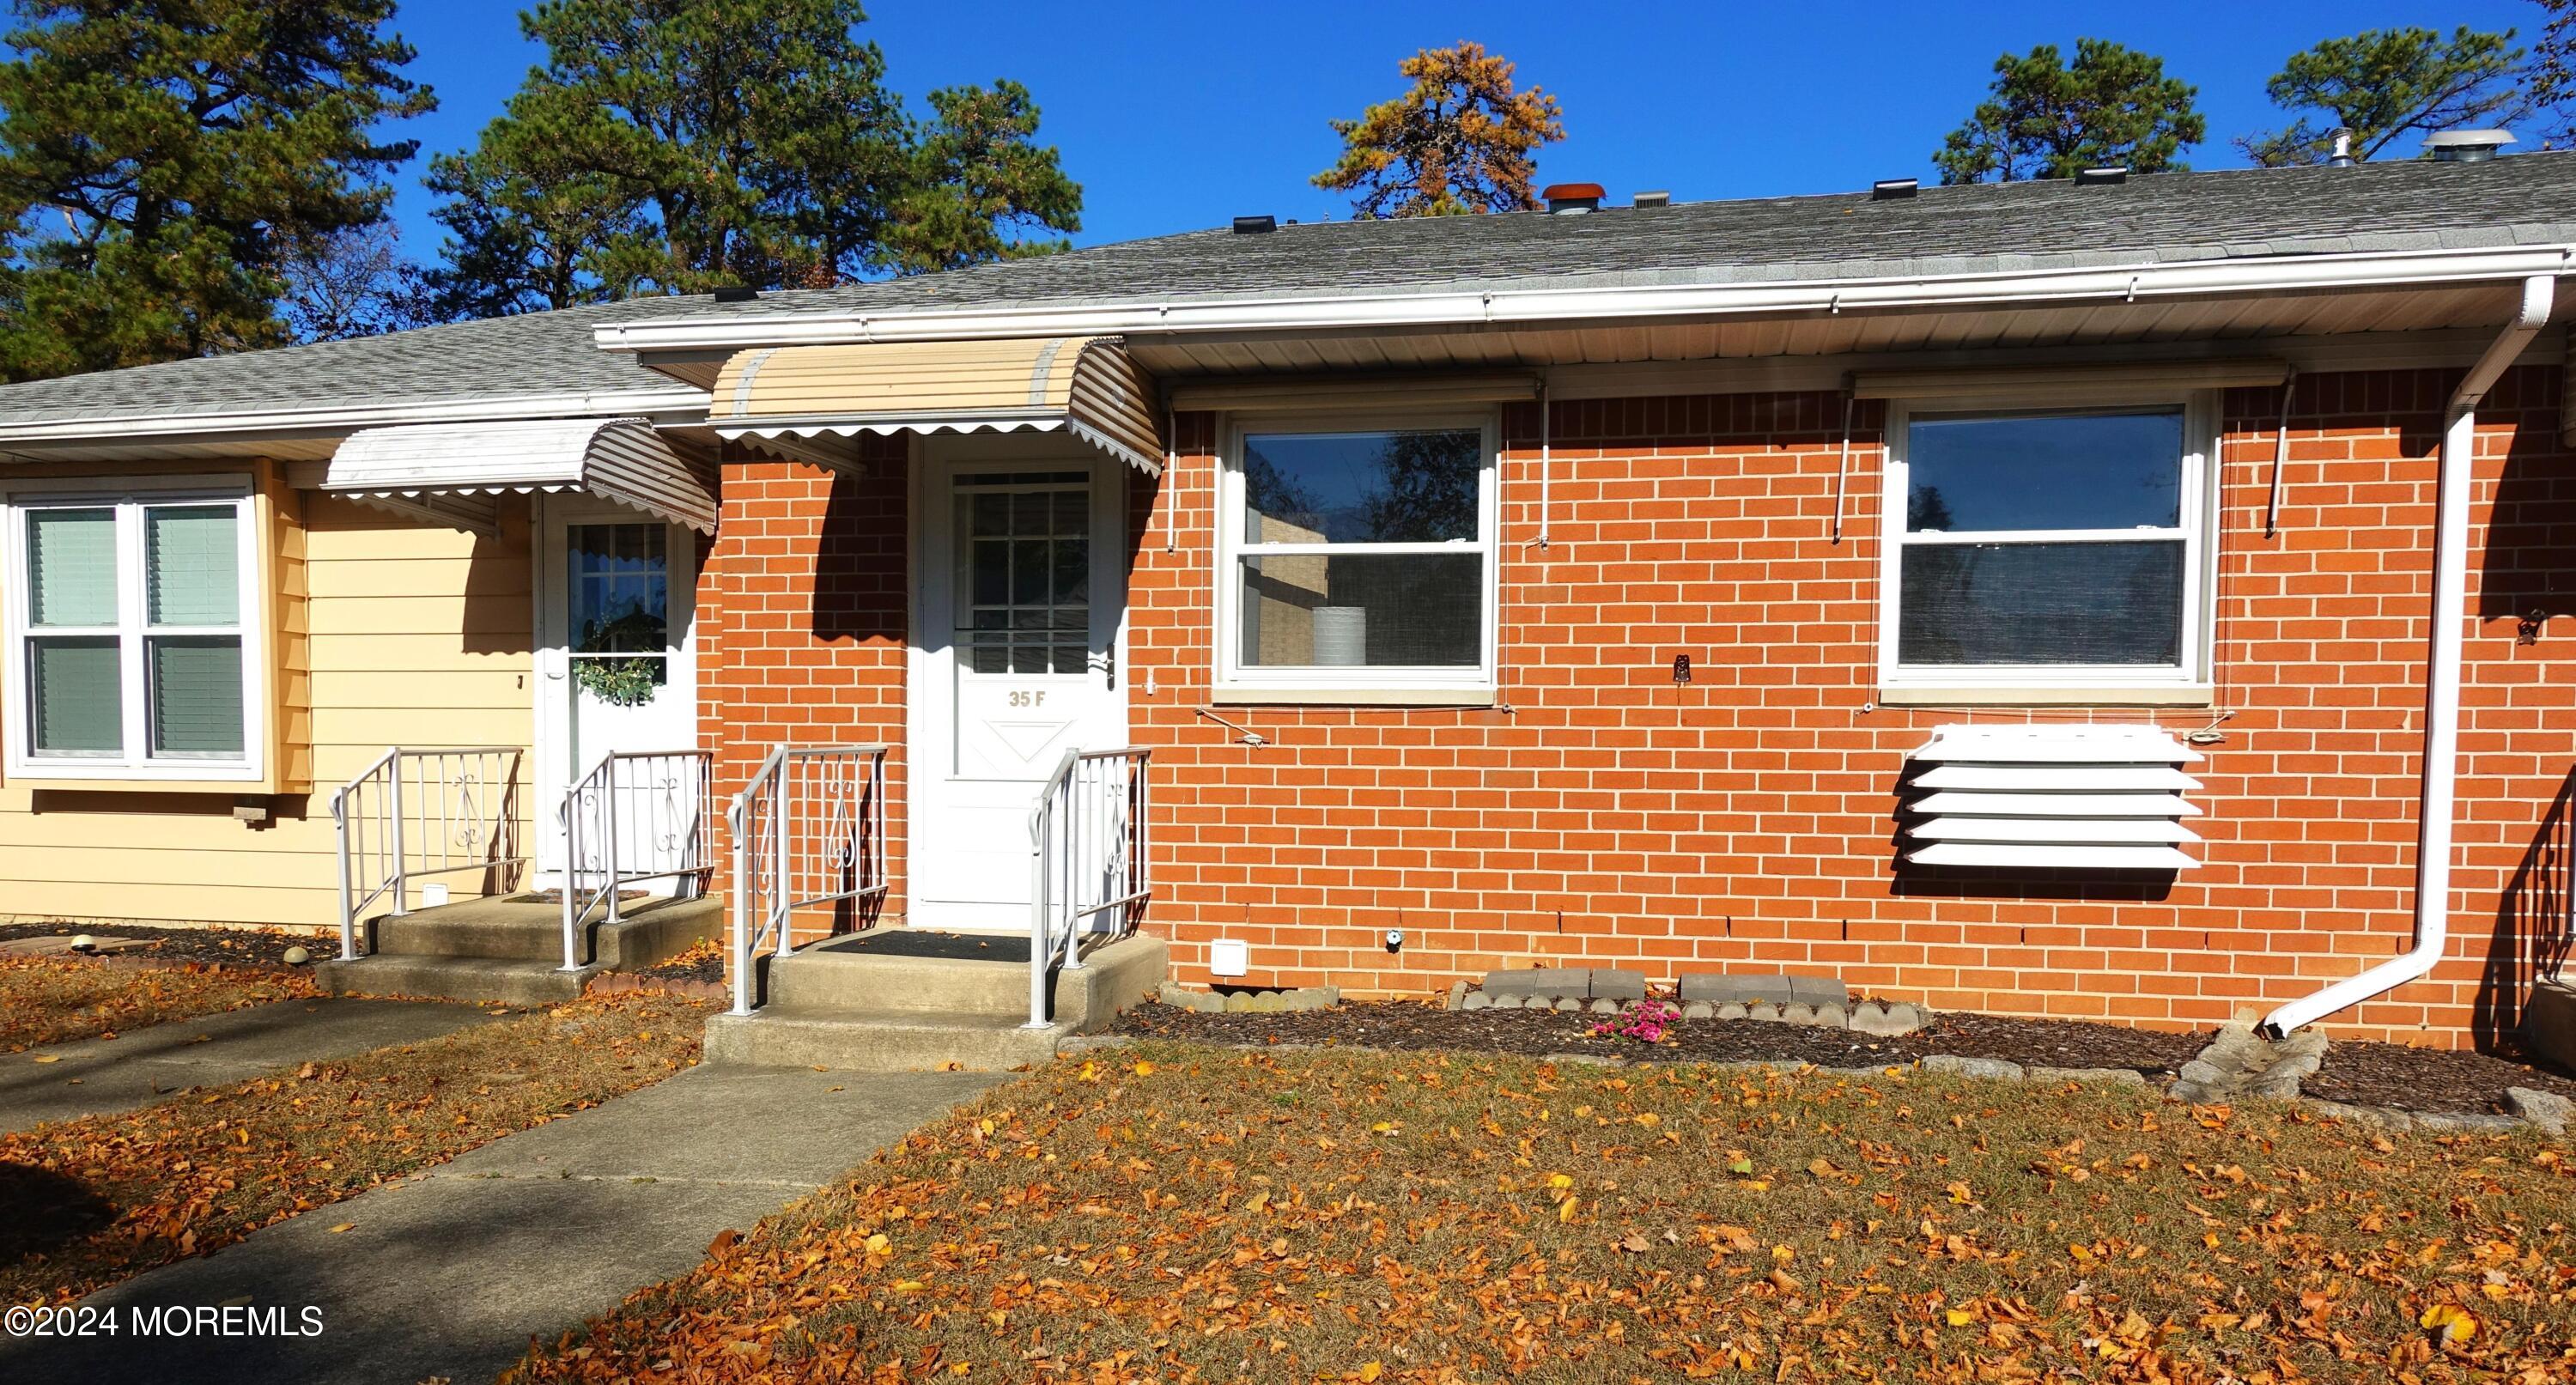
[(448, 472), (2017, 383)]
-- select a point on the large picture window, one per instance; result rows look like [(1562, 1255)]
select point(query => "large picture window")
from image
[(1360, 559), (2047, 546), (132, 630)]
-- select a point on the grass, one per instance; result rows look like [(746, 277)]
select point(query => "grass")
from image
[(47, 1000), (1176, 1213), (94, 1200)]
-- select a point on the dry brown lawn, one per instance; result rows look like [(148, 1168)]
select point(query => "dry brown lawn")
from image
[(50, 1000), (1183, 1213)]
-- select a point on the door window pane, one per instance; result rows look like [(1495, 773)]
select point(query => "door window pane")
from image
[(1024, 588), (621, 588), (2041, 603), (2068, 471), (71, 561), (77, 703), (192, 572), (1421, 487), (196, 695), (1374, 610)]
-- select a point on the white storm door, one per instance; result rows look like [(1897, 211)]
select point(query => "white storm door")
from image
[(617, 602), (1023, 594)]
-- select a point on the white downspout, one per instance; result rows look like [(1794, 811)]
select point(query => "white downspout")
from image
[(2441, 681)]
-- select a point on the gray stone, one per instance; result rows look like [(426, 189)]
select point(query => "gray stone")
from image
[(1549, 981), (2120, 1077), (1832, 1017), (1306, 998), (1589, 1060), (1268, 1003), (1973, 1067), (2466, 1122), (2549, 1020), (1508, 1001), (2375, 1116), (1569, 1003), (1698, 1010), (2205, 1073), (1887, 1021), (1478, 1000), (2280, 1082), (1767, 1013), (1208, 1003), (1176, 993), (2548, 1110), (1605, 1006), (1613, 984), (1819, 991), (1794, 1013), (1457, 996), (1741, 988), (2196, 1093), (1237, 1002), (1734, 1010)]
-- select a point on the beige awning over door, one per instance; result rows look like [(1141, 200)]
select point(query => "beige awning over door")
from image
[(448, 472), (1084, 386)]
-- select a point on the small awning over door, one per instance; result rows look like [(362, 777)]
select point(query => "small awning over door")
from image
[(1084, 386), (449, 472)]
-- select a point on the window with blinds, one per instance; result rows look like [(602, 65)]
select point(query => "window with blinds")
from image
[(129, 629)]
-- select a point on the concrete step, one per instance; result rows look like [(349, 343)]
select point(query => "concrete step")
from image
[(513, 981), (521, 929), (880, 1042), (841, 975)]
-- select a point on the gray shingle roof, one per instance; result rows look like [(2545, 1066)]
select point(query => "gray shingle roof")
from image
[(2524, 200)]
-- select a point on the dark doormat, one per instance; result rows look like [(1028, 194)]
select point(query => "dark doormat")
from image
[(923, 942)]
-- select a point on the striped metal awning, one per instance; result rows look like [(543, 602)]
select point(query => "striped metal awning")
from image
[(771, 397), (447, 473)]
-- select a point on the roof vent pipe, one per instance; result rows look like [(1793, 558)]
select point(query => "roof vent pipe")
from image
[(1656, 198), (734, 293), (2466, 146), (1891, 189), (1566, 198), (2110, 175), (2342, 156), (1255, 225)]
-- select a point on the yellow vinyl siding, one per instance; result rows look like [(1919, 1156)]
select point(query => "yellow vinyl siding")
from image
[(387, 632)]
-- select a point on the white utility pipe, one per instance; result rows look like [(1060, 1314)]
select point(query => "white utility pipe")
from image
[(2441, 681)]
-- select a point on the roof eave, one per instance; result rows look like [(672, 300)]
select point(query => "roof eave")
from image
[(1470, 306)]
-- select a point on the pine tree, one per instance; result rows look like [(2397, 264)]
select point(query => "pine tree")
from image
[(1462, 139), (161, 161), (2384, 83), (2052, 119)]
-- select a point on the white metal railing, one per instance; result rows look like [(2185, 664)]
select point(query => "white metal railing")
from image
[(1090, 855), (424, 812), (637, 816), (809, 830)]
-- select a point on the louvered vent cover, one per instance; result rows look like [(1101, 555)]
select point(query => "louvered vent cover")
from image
[(2081, 797)]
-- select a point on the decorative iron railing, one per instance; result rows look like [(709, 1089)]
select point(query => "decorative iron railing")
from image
[(1091, 858), (417, 813), (808, 831), (638, 816)]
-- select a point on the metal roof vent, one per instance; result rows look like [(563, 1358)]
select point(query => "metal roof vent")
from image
[(1891, 189), (1255, 225), (2105, 177), (1565, 198), (734, 293), (2342, 155), (1658, 198), (2467, 146)]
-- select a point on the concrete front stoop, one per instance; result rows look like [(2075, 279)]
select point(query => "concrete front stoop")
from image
[(842, 1004), (511, 950)]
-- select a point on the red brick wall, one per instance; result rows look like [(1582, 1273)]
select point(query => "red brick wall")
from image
[(1746, 821), (802, 614)]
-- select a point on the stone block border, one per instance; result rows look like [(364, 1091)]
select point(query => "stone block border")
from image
[(1604, 991), (1207, 1002)]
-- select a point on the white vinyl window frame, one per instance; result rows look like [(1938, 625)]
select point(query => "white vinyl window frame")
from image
[(2195, 526), (129, 498), (1237, 682)]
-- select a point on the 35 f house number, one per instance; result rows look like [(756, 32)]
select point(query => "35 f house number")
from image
[(1029, 698)]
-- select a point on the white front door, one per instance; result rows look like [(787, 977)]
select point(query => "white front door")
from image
[(616, 594), (1019, 612)]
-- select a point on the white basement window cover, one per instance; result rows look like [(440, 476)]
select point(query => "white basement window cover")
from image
[(772, 397), (2071, 797), (449, 472)]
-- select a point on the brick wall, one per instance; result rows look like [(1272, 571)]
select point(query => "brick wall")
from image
[(1747, 820)]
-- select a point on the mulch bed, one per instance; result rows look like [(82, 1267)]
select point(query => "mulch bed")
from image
[(1410, 1025), (2362, 1073), (705, 962), (263, 948)]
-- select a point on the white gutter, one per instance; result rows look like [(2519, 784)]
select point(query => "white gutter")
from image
[(2441, 682), (1465, 307), (680, 399)]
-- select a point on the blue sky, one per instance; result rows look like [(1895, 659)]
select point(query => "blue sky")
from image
[(1180, 115)]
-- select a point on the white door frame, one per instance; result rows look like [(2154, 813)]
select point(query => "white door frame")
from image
[(930, 653), (552, 743)]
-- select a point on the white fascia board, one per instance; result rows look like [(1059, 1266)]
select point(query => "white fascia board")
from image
[(2118, 283), (676, 404)]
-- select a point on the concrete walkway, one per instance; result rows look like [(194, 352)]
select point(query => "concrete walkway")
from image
[(146, 1065), (450, 1273)]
